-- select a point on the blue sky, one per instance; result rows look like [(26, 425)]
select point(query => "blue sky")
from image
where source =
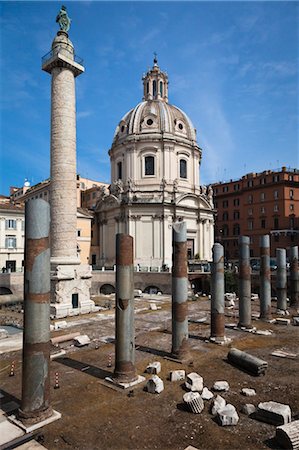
[(232, 67)]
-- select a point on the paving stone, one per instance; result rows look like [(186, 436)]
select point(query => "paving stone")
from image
[(248, 409), (194, 382), (194, 402), (155, 385), (218, 403), (228, 415), (154, 368), (206, 394), (248, 392), (221, 386), (273, 413), (177, 375)]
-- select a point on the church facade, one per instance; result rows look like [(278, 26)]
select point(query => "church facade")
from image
[(155, 181)]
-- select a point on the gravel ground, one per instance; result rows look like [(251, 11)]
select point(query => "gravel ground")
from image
[(95, 416)]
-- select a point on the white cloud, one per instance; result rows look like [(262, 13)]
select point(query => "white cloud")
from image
[(83, 114)]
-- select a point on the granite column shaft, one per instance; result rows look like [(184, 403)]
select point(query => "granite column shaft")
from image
[(294, 276), (244, 283), (217, 292), (281, 279), (180, 347), (125, 371), (35, 405), (265, 278)]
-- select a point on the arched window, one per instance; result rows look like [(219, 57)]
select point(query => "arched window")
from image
[(183, 168), (149, 165), (119, 171), (161, 88), (154, 88), (147, 87)]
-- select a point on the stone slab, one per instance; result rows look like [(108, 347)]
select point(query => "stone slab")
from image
[(284, 354), (282, 321), (274, 413), (9, 431), (31, 445), (80, 341), (55, 416), (140, 379), (12, 343)]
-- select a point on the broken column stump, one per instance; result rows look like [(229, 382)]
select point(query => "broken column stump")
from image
[(287, 436), (194, 402)]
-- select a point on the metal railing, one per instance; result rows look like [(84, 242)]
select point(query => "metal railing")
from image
[(56, 50)]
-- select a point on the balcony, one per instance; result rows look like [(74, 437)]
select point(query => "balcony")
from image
[(62, 57)]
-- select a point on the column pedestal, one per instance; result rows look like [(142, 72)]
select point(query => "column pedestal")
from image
[(70, 290)]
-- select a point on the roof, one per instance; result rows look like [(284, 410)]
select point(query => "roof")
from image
[(85, 212), (11, 206)]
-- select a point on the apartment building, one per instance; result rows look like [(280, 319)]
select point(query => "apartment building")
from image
[(12, 229), (87, 195), (257, 204)]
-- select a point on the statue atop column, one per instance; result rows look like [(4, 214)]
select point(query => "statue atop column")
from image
[(63, 19)]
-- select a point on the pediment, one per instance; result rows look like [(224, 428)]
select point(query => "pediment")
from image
[(107, 202)]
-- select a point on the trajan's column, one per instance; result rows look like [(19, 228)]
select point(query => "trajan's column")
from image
[(70, 281)]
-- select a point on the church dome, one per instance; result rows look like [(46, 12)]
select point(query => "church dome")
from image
[(154, 114)]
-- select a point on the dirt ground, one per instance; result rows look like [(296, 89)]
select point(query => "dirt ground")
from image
[(96, 416)]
